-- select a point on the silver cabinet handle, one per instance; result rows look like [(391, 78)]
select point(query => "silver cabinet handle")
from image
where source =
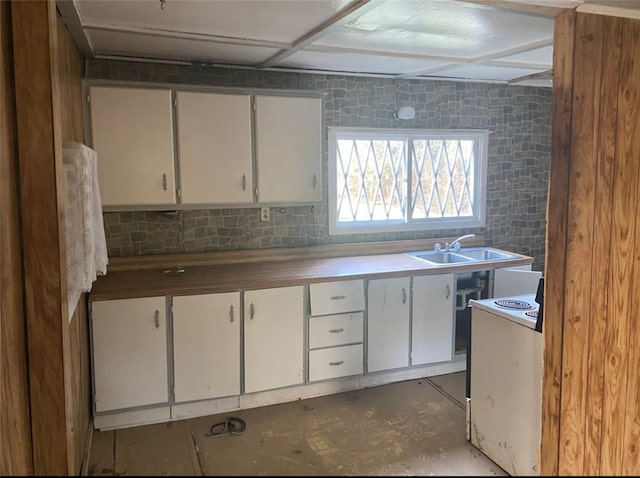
[(335, 364), (252, 311), (338, 297), (448, 292), (244, 182), (156, 319), (164, 182), (404, 295), (231, 313), (314, 181), (336, 331)]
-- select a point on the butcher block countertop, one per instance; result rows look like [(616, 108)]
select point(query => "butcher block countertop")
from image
[(147, 276)]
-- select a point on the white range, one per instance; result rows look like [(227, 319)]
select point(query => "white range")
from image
[(504, 406)]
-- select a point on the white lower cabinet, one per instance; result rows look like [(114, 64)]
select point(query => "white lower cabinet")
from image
[(388, 324), (432, 319), (273, 338), (206, 346), (215, 349), (335, 362), (335, 346), (129, 343)]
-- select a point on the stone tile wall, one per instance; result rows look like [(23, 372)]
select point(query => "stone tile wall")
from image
[(518, 117)]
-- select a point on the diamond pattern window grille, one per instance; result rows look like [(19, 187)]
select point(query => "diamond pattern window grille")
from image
[(415, 178)]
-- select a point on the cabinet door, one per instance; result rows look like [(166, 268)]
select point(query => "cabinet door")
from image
[(206, 346), (214, 146), (388, 324), (289, 149), (129, 343), (132, 132), (432, 319), (273, 338)]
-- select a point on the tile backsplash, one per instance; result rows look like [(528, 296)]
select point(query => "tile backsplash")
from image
[(518, 117)]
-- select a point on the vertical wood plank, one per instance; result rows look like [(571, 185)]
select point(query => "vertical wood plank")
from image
[(33, 24), (605, 133), (67, 109), (563, 60), (623, 255), (15, 424), (580, 219), (631, 104)]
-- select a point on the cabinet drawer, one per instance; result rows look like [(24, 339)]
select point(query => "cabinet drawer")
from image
[(336, 297), (332, 330), (335, 362)]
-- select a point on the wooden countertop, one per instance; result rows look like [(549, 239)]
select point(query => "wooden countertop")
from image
[(225, 277)]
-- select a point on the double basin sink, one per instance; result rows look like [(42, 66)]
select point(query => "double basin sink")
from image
[(468, 255)]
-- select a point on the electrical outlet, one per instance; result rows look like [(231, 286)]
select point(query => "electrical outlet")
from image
[(264, 213)]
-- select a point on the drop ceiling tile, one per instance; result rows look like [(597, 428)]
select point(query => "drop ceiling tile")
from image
[(145, 46), (440, 27), (486, 73), (356, 63), (539, 56), (273, 20)]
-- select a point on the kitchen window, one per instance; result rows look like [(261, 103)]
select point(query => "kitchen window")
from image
[(384, 180)]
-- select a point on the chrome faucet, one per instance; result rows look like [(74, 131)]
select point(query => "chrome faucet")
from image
[(455, 245)]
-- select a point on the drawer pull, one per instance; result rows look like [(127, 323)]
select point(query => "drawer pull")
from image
[(338, 297), (336, 331), (156, 319), (335, 364)]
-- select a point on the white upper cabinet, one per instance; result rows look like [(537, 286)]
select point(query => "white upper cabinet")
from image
[(132, 132), (214, 147), (225, 150), (288, 149)]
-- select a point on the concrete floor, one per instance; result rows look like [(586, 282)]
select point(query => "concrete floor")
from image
[(416, 427)]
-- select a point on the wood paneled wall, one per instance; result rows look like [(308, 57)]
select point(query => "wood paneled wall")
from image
[(48, 71), (591, 415), (15, 423)]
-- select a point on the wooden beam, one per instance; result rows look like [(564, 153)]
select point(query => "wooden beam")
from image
[(34, 30), (556, 242), (16, 456)]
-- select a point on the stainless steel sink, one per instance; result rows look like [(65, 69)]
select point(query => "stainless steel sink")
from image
[(439, 257), (484, 254), (475, 254)]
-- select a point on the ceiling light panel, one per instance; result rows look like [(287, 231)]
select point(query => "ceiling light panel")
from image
[(145, 46), (271, 20), (441, 27), (485, 72), (356, 63)]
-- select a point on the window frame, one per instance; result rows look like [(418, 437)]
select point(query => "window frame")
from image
[(409, 224)]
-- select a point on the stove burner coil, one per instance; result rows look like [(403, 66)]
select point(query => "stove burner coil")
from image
[(513, 304), (532, 313)]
